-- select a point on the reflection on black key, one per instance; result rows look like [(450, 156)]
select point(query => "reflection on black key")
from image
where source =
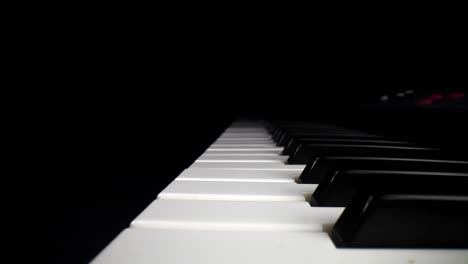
[(306, 152), (294, 143), (391, 219), (320, 167), (338, 189), (285, 138)]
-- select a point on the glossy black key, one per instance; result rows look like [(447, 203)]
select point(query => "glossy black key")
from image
[(304, 125), (323, 166), (294, 143), (285, 133), (286, 139), (391, 219), (338, 189), (306, 152)]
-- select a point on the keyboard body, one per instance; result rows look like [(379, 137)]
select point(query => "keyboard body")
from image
[(241, 202)]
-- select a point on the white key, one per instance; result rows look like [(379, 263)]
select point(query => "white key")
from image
[(245, 130), (194, 174), (247, 166), (221, 153), (258, 135), (244, 141), (235, 215), (246, 126), (241, 151), (245, 148), (244, 145), (244, 138), (242, 158), (237, 191), (150, 246)]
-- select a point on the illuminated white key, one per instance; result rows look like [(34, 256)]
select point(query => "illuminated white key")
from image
[(259, 135), (243, 145), (244, 151), (194, 174), (235, 215), (252, 153), (247, 166), (243, 139), (149, 246), (237, 191), (245, 130), (257, 147), (242, 158)]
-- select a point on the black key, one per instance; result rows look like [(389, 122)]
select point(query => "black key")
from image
[(324, 134), (305, 125), (320, 167), (294, 143), (390, 219), (338, 189), (283, 135), (306, 152)]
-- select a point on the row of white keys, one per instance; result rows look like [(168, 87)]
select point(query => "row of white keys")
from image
[(252, 145), (248, 163), (217, 199), (224, 190)]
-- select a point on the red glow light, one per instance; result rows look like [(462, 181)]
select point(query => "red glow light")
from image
[(424, 102), (455, 95), (436, 97)]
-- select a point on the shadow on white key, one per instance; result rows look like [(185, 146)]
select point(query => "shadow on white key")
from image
[(242, 158), (149, 246), (235, 215), (237, 191), (286, 176)]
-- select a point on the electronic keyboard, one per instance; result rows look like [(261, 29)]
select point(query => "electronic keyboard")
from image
[(300, 192)]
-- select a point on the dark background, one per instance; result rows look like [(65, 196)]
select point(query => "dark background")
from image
[(134, 116)]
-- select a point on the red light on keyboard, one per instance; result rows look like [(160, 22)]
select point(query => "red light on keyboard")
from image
[(436, 97), (455, 95), (424, 102)]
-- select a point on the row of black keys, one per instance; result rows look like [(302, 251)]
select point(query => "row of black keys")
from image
[(396, 194)]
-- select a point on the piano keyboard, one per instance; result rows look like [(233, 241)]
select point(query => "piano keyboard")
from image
[(242, 202)]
